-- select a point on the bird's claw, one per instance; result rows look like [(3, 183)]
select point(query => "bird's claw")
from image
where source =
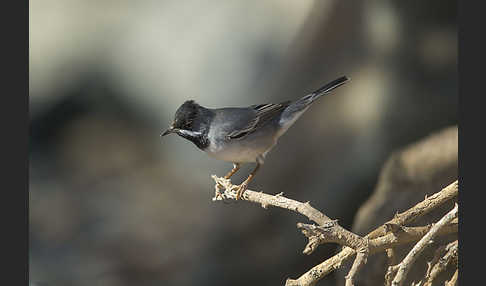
[(240, 190)]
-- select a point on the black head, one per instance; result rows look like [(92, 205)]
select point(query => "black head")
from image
[(191, 121), (186, 114)]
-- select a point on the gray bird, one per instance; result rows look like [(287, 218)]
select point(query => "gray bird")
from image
[(241, 134)]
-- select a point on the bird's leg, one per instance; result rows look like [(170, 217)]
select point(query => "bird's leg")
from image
[(242, 187), (236, 167)]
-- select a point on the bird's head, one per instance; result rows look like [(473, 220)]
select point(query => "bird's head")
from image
[(184, 118), (191, 121)]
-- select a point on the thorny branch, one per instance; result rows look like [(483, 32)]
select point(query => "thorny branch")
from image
[(407, 262), (453, 281), (430, 203), (439, 263), (330, 230), (389, 235)]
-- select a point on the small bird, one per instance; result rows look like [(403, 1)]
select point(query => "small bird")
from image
[(241, 134)]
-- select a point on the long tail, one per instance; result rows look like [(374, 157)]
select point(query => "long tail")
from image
[(305, 101), (323, 90), (297, 108)]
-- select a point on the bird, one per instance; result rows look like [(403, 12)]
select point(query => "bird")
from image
[(242, 135)]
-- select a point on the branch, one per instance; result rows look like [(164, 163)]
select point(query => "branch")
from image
[(420, 209), (330, 230), (390, 273), (420, 246), (400, 236), (430, 203), (384, 237), (442, 262), (407, 235), (453, 281), (439, 252), (359, 261), (266, 200), (327, 231), (390, 254)]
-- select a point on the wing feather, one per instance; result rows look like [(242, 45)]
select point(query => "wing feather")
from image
[(264, 114)]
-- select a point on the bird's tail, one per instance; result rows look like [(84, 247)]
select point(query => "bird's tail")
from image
[(305, 101), (297, 108), (323, 90)]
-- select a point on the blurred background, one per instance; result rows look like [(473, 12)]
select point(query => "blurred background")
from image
[(113, 204)]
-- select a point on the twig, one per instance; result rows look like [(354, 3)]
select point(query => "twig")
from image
[(266, 200), (330, 230), (453, 281), (402, 236), (430, 203), (359, 261), (407, 235), (420, 209), (439, 252), (390, 254), (442, 262), (390, 273), (329, 233), (420, 246)]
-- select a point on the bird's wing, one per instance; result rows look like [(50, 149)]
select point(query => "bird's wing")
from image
[(263, 114)]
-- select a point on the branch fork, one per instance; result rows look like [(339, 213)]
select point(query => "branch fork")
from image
[(384, 238)]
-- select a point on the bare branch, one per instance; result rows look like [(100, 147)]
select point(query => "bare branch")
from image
[(390, 240), (329, 233), (453, 281), (407, 235), (441, 262), (266, 200), (390, 254), (389, 235), (439, 252), (390, 273), (407, 262), (359, 261), (420, 209), (404, 235)]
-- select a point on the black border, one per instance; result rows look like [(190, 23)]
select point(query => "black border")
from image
[(471, 49), (15, 135)]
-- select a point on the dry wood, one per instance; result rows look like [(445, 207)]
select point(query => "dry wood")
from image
[(407, 262), (439, 263), (330, 230), (427, 205), (265, 200), (453, 281), (389, 235)]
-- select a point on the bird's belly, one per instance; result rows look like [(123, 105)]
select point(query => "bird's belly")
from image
[(238, 152)]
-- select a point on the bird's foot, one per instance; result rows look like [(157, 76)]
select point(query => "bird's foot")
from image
[(241, 189), (220, 188), (224, 189)]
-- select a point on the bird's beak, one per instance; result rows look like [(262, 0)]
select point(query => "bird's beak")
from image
[(168, 131)]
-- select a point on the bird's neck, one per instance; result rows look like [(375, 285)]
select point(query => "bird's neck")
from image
[(200, 139)]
